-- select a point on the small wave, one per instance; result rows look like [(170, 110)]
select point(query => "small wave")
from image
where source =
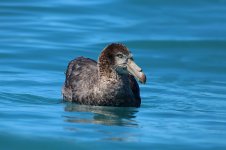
[(13, 98)]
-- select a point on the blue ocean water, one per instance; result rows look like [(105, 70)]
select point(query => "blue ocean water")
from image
[(180, 45)]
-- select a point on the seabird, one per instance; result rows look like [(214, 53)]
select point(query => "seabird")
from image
[(108, 82)]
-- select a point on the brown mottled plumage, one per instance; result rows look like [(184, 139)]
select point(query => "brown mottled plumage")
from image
[(110, 82)]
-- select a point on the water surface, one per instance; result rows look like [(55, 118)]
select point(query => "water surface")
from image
[(180, 45)]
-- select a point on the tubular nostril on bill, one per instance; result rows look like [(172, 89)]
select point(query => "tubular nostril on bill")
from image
[(133, 65)]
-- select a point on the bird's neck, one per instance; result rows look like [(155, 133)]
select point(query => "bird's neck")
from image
[(108, 76), (113, 87)]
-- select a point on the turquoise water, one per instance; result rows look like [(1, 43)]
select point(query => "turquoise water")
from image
[(181, 46)]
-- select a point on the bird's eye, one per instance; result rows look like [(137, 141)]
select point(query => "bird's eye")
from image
[(119, 55)]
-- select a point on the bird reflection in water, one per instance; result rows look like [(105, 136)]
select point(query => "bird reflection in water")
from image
[(112, 116)]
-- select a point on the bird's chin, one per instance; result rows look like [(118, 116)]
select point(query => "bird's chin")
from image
[(122, 70)]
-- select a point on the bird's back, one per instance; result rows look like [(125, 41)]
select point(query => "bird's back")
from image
[(81, 76)]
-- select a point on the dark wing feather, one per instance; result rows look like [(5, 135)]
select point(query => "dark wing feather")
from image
[(80, 76)]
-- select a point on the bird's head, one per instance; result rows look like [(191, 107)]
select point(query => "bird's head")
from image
[(120, 59)]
